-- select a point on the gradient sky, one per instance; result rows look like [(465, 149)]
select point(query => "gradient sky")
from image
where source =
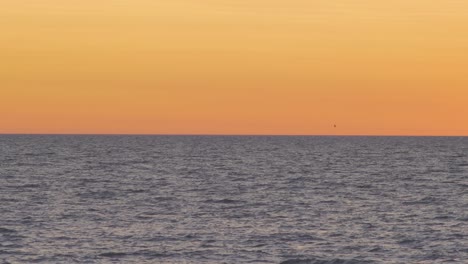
[(377, 67)]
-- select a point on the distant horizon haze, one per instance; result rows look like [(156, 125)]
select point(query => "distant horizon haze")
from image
[(224, 135)]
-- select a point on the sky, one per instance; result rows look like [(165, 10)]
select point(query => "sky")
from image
[(296, 67)]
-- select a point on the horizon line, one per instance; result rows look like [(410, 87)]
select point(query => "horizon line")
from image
[(226, 135)]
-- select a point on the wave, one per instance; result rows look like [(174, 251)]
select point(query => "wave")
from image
[(326, 261)]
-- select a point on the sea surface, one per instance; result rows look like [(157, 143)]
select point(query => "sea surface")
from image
[(228, 199)]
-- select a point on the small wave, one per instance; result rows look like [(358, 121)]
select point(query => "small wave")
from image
[(135, 191), (39, 154), (6, 231), (407, 241), (425, 200), (223, 201), (99, 194), (443, 217), (32, 186), (376, 249), (329, 202), (163, 198), (325, 261), (145, 253), (150, 254), (113, 254), (24, 186)]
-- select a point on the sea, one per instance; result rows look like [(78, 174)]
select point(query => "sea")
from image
[(233, 199)]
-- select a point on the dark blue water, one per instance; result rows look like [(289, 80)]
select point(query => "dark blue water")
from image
[(174, 199)]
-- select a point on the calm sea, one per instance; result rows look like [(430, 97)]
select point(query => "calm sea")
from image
[(216, 199)]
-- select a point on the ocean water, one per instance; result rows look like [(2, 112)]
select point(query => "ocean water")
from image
[(215, 199)]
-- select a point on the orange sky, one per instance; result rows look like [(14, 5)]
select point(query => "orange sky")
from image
[(375, 67)]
